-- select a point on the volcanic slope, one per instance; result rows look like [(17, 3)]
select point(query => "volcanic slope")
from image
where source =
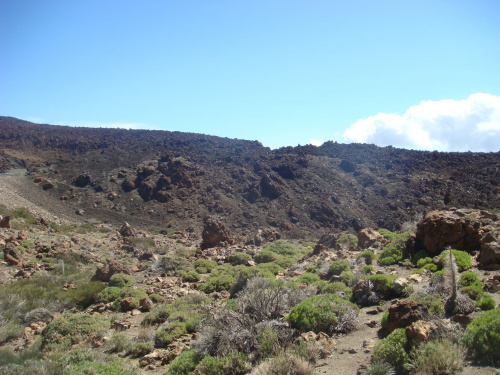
[(173, 178)]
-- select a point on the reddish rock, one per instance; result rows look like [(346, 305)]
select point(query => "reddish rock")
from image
[(126, 304), (126, 230), (5, 222), (490, 248), (403, 313), (367, 237), (47, 184), (214, 232), (146, 304), (128, 185), (459, 229), (12, 254), (105, 272)]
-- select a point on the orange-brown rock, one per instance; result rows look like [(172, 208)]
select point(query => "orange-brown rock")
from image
[(420, 331), (105, 272), (403, 313), (367, 237)]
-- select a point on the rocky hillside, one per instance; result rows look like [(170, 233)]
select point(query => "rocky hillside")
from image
[(160, 178)]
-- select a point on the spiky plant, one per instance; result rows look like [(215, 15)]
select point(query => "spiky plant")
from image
[(380, 368), (457, 303)]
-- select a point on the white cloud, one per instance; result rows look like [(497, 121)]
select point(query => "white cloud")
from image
[(315, 142), (472, 124)]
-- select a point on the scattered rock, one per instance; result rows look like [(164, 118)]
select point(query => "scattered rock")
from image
[(214, 232), (5, 222), (146, 304), (126, 230), (367, 237), (82, 180)]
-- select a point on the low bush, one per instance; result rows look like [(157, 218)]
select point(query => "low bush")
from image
[(366, 269), (337, 288), (69, 329), (390, 254), (437, 357), (309, 279), (189, 275), (482, 337), (266, 268), (383, 284), (486, 303), (367, 255), (136, 293), (119, 342), (140, 349), (116, 367), (204, 266), (463, 260), (230, 364), (86, 294), (184, 308), (424, 261), (348, 240), (469, 278), (184, 364), (10, 331), (121, 281), (285, 363), (393, 350), (380, 368), (170, 265), (338, 266), (430, 267), (322, 313), (142, 243), (166, 334), (108, 294), (421, 254), (239, 258)]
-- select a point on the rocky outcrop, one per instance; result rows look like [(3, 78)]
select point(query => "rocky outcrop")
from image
[(5, 222), (214, 233), (105, 272), (126, 230), (420, 331), (458, 229)]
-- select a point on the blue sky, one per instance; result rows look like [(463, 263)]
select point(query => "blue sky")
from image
[(281, 72)]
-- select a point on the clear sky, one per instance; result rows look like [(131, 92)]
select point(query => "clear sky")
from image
[(415, 74)]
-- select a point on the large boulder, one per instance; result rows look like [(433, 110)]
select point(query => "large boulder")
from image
[(367, 237), (460, 229), (403, 313), (490, 248), (105, 272), (5, 222), (214, 232), (420, 331)]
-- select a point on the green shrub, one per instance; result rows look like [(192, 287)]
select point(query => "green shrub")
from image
[(430, 267), (272, 268), (309, 278), (368, 256), (482, 337), (348, 239), (462, 259), (421, 254), (265, 256), (218, 281), (347, 277), (383, 284), (136, 293), (437, 357), (86, 294), (319, 313), (486, 303), (424, 261), (390, 254), (367, 269), (189, 275), (385, 320), (394, 237), (142, 243), (186, 309), (156, 298), (108, 294), (284, 248), (184, 364), (170, 265), (141, 349), (166, 334), (268, 341), (119, 342), (393, 350), (69, 329), (203, 266), (239, 258), (469, 278), (337, 287), (100, 368), (338, 266), (121, 281), (10, 331), (380, 368), (27, 244), (473, 292), (231, 364)]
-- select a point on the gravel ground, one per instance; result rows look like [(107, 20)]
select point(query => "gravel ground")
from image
[(18, 190)]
